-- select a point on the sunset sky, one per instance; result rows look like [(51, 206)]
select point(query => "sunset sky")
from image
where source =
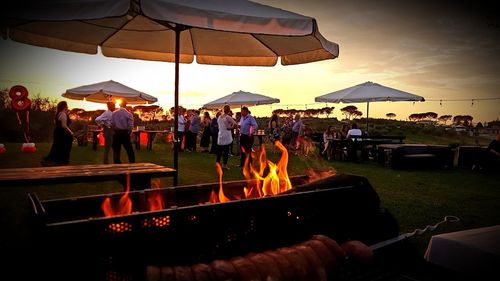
[(445, 50)]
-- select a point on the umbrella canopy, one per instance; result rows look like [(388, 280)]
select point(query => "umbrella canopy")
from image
[(105, 91), (230, 32), (239, 99), (368, 92), (223, 32)]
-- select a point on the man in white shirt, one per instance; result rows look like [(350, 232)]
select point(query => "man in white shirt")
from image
[(104, 120), (354, 132), (122, 123)]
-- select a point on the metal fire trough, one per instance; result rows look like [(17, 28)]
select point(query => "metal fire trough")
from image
[(191, 230)]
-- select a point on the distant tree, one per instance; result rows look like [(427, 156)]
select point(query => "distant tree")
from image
[(328, 110), (495, 123), (74, 113), (390, 115), (479, 125), (42, 104), (348, 111), (90, 115), (415, 117), (148, 112), (444, 118), (4, 98), (465, 120), (431, 115), (357, 113)]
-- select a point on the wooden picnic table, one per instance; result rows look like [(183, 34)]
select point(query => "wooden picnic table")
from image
[(140, 174)]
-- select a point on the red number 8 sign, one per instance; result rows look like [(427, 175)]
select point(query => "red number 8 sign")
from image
[(19, 96), (21, 104)]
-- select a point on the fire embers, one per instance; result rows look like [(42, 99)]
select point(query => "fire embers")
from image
[(314, 259)]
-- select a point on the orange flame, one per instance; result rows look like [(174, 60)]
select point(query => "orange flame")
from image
[(155, 201), (276, 180), (124, 206), (221, 197)]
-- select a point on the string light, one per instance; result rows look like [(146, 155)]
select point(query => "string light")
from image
[(441, 103), (472, 104)]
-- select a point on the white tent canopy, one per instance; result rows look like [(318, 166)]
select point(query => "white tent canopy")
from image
[(368, 92), (106, 91), (239, 99)]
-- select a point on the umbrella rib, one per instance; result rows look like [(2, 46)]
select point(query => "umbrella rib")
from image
[(124, 29), (269, 48)]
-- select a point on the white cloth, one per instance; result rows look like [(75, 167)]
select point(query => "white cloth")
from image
[(474, 251), (354, 133), (104, 119), (226, 124)]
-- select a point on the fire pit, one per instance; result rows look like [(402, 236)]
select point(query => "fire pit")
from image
[(189, 229), (206, 222)]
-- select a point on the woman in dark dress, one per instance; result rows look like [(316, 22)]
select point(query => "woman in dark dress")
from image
[(62, 139), (205, 137)]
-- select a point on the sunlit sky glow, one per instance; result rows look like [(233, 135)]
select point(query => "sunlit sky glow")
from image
[(436, 49)]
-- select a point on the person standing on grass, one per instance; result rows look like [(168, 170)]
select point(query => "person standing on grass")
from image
[(122, 123), (248, 126), (226, 124), (192, 133), (205, 137), (214, 129), (62, 138), (104, 120)]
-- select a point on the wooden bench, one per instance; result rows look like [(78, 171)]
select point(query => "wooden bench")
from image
[(140, 174)]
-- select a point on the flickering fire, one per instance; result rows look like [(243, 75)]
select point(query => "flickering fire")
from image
[(124, 206), (220, 198), (276, 180), (155, 200), (260, 184)]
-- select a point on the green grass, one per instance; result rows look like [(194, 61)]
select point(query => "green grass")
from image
[(416, 197)]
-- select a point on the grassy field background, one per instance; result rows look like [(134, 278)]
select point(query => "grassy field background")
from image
[(416, 198)]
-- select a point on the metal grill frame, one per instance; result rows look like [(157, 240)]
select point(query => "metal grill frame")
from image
[(342, 207)]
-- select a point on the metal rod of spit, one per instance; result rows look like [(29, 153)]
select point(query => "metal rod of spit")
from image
[(410, 234)]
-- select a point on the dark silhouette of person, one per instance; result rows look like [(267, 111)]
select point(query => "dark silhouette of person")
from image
[(62, 138), (104, 120), (122, 123)]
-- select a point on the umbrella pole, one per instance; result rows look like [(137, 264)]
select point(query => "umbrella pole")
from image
[(177, 142), (367, 114)]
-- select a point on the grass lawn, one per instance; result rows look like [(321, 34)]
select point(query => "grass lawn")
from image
[(416, 198)]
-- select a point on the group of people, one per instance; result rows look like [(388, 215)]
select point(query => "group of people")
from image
[(116, 127), (223, 131), (331, 133)]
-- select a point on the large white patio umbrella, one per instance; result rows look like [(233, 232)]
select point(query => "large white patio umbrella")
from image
[(223, 32), (103, 92), (368, 92), (239, 99)]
